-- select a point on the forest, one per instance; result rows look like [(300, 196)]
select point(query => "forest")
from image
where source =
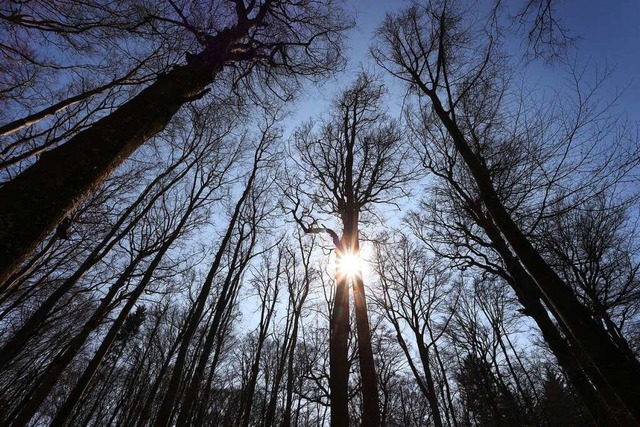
[(257, 213)]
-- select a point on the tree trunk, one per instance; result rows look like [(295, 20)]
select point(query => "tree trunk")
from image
[(286, 419), (571, 362), (164, 416), (289, 354), (34, 202), (226, 298), (62, 360), (338, 355), (370, 398), (78, 390), (297, 299), (20, 338), (432, 397), (143, 370), (146, 412), (621, 374), (450, 411), (526, 401)]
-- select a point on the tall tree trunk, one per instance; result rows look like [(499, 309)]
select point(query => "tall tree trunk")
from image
[(338, 355), (96, 411), (450, 412), (432, 396), (62, 360), (265, 321), (164, 416), (523, 395), (621, 374), (34, 202), (288, 404), (226, 297), (76, 393), (147, 409), (297, 300), (350, 223), (279, 371), (21, 337), (143, 370), (370, 398), (508, 398), (352, 167), (226, 322), (538, 402), (568, 357)]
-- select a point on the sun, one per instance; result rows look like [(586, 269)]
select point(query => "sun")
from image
[(350, 265)]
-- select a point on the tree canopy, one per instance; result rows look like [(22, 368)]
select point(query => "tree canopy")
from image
[(211, 215)]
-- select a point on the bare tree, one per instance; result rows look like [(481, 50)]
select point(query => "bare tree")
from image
[(299, 275), (593, 248), (455, 67), (268, 286), (201, 195), (270, 40), (194, 152), (357, 158), (170, 400), (414, 294)]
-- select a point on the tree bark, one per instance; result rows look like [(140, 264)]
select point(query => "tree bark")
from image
[(338, 355), (34, 202), (621, 374), (370, 398), (350, 245)]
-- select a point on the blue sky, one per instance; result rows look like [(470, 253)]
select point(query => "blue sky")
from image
[(608, 32)]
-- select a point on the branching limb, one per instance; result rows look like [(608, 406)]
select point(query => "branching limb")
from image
[(312, 228)]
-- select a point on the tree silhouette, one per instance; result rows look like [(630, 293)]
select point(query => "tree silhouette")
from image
[(176, 248), (270, 40), (462, 98), (358, 159)]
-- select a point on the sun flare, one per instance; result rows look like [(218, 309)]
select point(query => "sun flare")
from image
[(350, 265)]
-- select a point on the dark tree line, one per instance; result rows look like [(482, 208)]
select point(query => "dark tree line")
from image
[(169, 256)]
